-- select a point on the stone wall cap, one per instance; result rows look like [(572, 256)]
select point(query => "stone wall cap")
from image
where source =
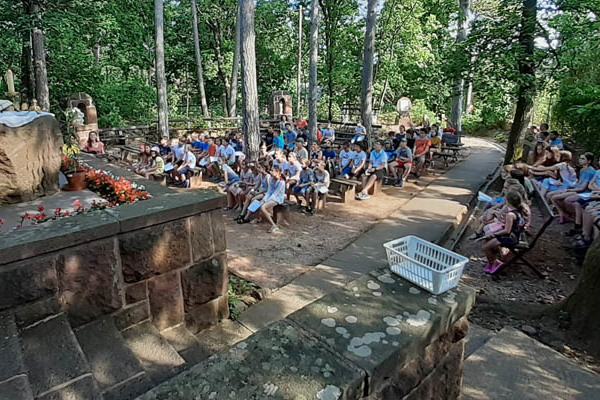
[(381, 315), (56, 235), (279, 361)]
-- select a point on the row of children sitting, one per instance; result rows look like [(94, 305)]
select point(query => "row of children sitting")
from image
[(260, 187), (573, 189)]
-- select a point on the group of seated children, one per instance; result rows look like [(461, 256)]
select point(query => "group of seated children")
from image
[(259, 187), (573, 189)]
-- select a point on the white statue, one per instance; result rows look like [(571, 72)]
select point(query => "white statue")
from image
[(78, 116)]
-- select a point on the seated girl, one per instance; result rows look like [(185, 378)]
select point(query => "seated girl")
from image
[(304, 185), (157, 166), (565, 199), (258, 191), (144, 161), (538, 156), (494, 217), (566, 177), (236, 191), (319, 188), (508, 236), (275, 195), (590, 217), (94, 145)]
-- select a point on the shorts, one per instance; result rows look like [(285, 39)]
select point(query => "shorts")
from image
[(300, 190), (346, 170), (184, 171), (402, 164), (380, 173), (358, 173), (507, 241), (421, 158)]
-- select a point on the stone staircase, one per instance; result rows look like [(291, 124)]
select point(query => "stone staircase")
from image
[(511, 365), (49, 360)]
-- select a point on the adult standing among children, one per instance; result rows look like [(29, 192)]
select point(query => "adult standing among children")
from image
[(421, 153), (375, 171)]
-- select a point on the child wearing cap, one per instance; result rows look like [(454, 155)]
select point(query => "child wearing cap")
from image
[(404, 162)]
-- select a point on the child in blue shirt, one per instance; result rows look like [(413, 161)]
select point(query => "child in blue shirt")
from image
[(375, 171), (555, 140)]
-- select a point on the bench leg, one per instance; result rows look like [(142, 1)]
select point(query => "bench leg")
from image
[(348, 195), (519, 257)]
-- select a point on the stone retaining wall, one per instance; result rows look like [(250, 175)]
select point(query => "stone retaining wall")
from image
[(380, 337), (161, 259)]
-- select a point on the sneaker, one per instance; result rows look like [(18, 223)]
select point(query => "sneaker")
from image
[(363, 196), (400, 182), (187, 183), (274, 229)]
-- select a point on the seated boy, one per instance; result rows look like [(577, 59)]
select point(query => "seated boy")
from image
[(375, 171), (358, 161), (320, 187), (291, 173), (303, 187), (404, 162), (345, 160), (359, 133)]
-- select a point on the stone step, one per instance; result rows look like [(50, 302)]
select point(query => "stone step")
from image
[(158, 358), (55, 363), (185, 343), (477, 337), (117, 371), (511, 365), (14, 383)]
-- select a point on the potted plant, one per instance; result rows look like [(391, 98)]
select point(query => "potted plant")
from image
[(74, 173)]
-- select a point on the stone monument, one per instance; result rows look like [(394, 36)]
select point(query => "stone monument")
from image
[(403, 108), (281, 104), (30, 144), (86, 117)]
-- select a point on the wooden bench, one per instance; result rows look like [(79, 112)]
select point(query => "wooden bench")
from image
[(524, 246), (346, 188), (281, 213)]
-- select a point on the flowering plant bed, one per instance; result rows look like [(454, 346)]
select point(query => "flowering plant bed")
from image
[(114, 191)]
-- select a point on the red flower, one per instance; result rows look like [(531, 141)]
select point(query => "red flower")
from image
[(27, 216), (57, 212), (1, 222), (40, 208), (66, 213)]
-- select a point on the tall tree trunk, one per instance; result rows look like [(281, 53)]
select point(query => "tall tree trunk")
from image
[(249, 87), (217, 34), (39, 57), (201, 91), (366, 98), (27, 75), (459, 82), (514, 147), (235, 69), (469, 100), (299, 69), (312, 80), (583, 305), (161, 80)]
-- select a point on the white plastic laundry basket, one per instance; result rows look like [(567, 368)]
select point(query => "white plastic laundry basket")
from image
[(425, 264)]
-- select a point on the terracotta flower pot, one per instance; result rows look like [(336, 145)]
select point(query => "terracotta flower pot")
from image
[(76, 181)]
